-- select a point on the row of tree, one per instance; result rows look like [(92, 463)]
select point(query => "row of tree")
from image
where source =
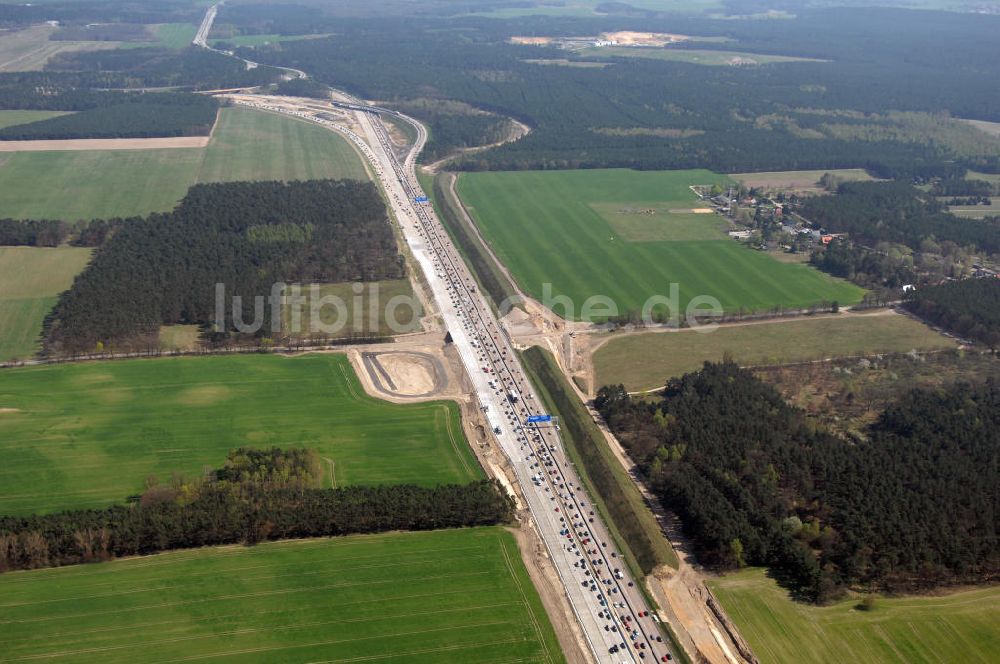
[(246, 236), (259, 496), (911, 505)]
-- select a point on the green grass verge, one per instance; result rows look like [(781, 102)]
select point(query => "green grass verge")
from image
[(612, 489), (246, 145), (485, 270), (542, 226), (30, 280), (451, 595), (646, 361), (87, 435), (958, 627)]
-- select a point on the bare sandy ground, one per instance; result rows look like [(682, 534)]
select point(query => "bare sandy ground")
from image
[(76, 144), (629, 38), (412, 374)]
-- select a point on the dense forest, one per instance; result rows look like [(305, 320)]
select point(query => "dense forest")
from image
[(246, 235), (755, 482), (80, 81), (135, 116), (790, 116), (84, 12), (970, 308), (260, 495)]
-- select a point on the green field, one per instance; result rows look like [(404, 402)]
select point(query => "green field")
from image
[(799, 180), (646, 361), (451, 595), (86, 435), (12, 118), (693, 56), (30, 280), (173, 35), (959, 627), (548, 227), (246, 145), (261, 40)]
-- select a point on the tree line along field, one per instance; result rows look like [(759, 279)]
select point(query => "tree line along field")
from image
[(956, 627), (88, 435), (646, 361), (245, 145), (30, 280), (451, 595), (12, 118), (559, 227)]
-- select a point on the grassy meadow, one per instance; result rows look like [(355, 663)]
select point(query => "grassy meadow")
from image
[(30, 280), (450, 595), (712, 58), (246, 145), (646, 361), (958, 627), (799, 180), (89, 434), (566, 228)]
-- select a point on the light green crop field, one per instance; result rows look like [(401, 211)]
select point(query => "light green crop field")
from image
[(448, 595), (12, 118), (646, 361), (799, 180), (86, 435), (989, 177), (30, 280), (958, 627), (173, 35), (693, 56), (261, 40), (976, 211), (246, 145), (548, 227)]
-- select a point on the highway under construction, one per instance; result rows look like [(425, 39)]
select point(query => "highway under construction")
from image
[(609, 605)]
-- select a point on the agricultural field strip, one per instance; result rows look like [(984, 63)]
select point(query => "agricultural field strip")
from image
[(245, 145), (473, 601), (645, 360), (905, 629)]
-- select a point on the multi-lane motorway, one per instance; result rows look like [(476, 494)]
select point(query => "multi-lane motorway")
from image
[(611, 610)]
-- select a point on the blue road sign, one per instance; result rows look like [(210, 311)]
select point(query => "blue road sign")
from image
[(420, 199), (535, 419)]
